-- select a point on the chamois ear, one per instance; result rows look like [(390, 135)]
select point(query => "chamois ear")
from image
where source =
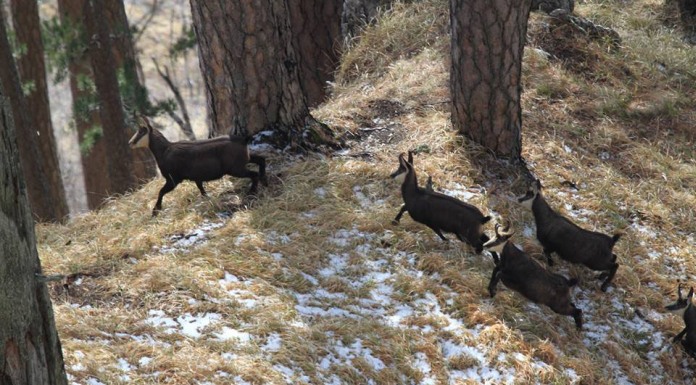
[(410, 156), (691, 294)]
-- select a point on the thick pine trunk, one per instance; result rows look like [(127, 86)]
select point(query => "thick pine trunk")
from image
[(32, 69), (249, 65), (144, 165), (38, 187), (94, 160), (30, 351), (119, 157), (487, 42), (316, 29)]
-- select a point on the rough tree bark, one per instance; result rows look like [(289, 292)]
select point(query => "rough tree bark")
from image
[(358, 13), (30, 351), (144, 165), (38, 184), (93, 161), (115, 134), (251, 70), (687, 13), (487, 42), (316, 29), (32, 69)]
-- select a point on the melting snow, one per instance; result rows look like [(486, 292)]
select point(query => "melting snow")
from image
[(197, 236)]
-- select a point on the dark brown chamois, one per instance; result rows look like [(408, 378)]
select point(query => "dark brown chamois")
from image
[(440, 212), (525, 275), (199, 161), (571, 242), (685, 308)]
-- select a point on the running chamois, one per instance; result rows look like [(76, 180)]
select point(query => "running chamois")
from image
[(572, 243), (199, 161), (440, 212), (685, 308), (528, 277)]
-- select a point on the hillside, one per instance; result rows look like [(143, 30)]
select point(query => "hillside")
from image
[(311, 283)]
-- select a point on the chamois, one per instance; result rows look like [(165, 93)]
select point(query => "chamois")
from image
[(526, 276), (199, 160), (685, 308), (438, 211), (571, 242)]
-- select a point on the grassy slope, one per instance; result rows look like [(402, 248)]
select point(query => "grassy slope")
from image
[(311, 283)]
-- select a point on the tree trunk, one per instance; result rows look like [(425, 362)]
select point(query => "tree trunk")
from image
[(32, 69), (251, 70), (487, 42), (687, 13), (144, 165), (316, 29), (359, 13), (32, 159), (93, 159), (30, 351), (118, 155)]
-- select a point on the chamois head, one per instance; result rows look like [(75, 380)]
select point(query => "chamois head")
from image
[(528, 199), (142, 136), (497, 244), (404, 165), (682, 303)]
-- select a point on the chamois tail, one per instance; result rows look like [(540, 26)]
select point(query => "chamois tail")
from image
[(615, 238), (486, 219)]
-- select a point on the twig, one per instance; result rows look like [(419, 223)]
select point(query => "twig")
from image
[(184, 123), (145, 21)]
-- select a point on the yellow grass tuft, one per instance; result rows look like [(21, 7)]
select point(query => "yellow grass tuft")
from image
[(310, 282)]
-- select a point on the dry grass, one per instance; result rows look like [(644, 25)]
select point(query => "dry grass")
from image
[(310, 283)]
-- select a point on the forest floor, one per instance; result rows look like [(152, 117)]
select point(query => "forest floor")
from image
[(309, 282)]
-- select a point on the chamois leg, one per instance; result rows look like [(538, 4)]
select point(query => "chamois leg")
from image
[(398, 216), (569, 309), (199, 184), (254, 176), (577, 316), (679, 336), (547, 253), (261, 162), (439, 233), (610, 276), (492, 285), (483, 239), (496, 260), (168, 186)]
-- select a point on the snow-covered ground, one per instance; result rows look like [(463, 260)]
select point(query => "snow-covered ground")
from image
[(360, 259)]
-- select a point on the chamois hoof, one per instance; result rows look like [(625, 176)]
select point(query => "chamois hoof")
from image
[(604, 287), (492, 292), (577, 316), (394, 222)]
